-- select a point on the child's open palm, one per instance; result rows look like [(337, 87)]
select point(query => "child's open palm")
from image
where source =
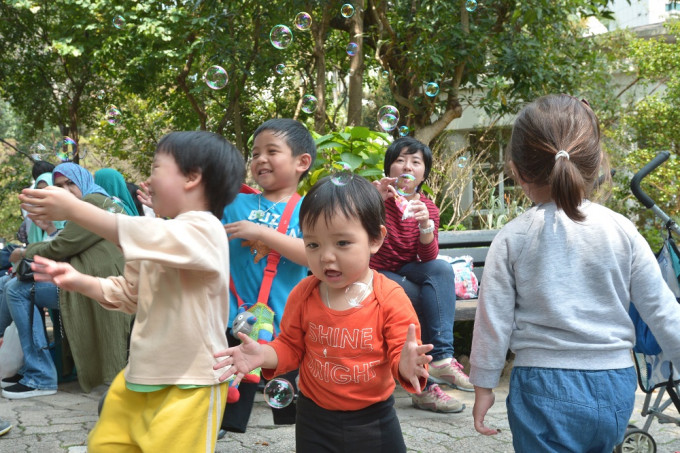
[(61, 274), (413, 359), (240, 360)]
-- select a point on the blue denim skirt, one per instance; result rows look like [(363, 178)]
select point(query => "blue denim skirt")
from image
[(561, 410)]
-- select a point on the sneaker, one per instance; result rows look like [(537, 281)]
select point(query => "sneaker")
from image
[(10, 381), (451, 373), (434, 399), (221, 434), (4, 427), (20, 391)]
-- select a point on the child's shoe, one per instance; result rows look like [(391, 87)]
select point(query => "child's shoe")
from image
[(450, 372), (434, 399)]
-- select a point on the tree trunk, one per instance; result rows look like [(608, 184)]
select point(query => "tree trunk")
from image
[(356, 71), (319, 34)]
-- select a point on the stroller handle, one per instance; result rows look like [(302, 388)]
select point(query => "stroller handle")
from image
[(645, 199)]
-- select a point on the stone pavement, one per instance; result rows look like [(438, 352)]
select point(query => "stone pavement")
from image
[(60, 423)]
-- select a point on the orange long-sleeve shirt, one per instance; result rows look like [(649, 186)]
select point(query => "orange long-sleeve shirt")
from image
[(348, 359)]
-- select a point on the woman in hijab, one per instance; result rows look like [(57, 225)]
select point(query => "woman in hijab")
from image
[(114, 183), (96, 338)]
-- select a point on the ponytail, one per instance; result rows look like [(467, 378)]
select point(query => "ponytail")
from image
[(567, 188)]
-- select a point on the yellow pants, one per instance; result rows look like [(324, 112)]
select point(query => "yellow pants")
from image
[(168, 420)]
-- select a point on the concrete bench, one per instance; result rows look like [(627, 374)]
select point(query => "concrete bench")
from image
[(474, 243)]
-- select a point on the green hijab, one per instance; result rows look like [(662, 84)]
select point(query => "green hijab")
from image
[(114, 183), (35, 233)]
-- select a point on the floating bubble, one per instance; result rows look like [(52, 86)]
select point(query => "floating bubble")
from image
[(462, 161), (280, 68), (352, 49), (112, 204), (406, 185), (303, 21), (216, 77), (279, 393), (386, 74), (432, 89), (471, 5), (388, 117), (344, 175), (357, 292), (309, 103), (403, 131), (113, 116), (101, 94), (119, 22), (280, 36), (347, 10), (62, 149)]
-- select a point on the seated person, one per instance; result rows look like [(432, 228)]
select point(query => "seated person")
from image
[(408, 256), (97, 338)]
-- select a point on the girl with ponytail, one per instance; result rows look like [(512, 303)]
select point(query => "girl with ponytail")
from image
[(558, 281)]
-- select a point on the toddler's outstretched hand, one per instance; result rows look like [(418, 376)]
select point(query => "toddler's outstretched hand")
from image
[(484, 399), (241, 359), (144, 195), (413, 359), (61, 274)]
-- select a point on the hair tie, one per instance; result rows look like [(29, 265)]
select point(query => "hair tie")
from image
[(561, 153)]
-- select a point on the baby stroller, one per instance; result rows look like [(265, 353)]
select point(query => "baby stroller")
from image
[(655, 372)]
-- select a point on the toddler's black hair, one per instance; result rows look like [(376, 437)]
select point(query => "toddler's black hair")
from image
[(221, 165), (355, 197)]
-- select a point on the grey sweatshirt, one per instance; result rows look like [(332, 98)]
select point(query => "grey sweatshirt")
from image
[(557, 293)]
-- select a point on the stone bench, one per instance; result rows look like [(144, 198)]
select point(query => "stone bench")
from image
[(474, 243)]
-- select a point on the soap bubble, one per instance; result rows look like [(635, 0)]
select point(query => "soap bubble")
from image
[(303, 21), (347, 10), (216, 77), (344, 175), (385, 74), (352, 49), (113, 116), (112, 204), (406, 185), (280, 68), (280, 36), (471, 5), (279, 393), (432, 89), (462, 161), (309, 103), (101, 94), (38, 150), (388, 117), (119, 22), (403, 131), (62, 149), (357, 292)]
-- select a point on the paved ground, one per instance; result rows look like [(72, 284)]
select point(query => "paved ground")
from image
[(60, 423)]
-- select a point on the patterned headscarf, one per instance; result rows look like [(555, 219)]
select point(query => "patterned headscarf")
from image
[(114, 183), (81, 177)]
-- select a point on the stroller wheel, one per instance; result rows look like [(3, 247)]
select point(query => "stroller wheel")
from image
[(636, 441)]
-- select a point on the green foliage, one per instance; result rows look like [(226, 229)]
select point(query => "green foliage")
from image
[(359, 148), (644, 123)]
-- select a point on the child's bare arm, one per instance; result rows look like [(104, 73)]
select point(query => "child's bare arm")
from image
[(53, 203), (413, 359), (66, 277), (289, 247)]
